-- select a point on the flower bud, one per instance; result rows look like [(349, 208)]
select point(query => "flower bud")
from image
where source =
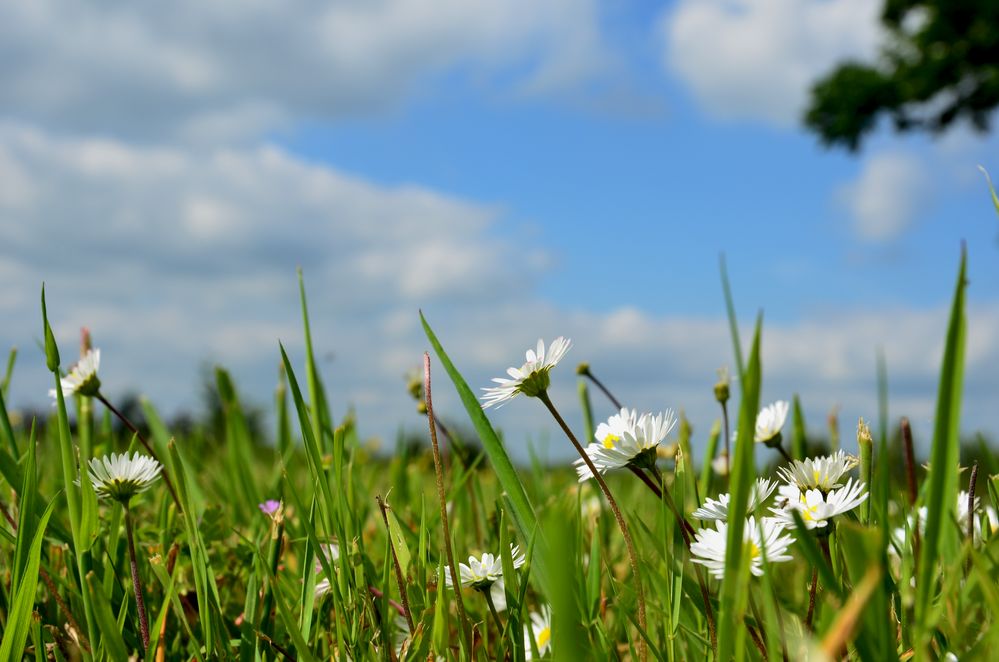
[(722, 386)]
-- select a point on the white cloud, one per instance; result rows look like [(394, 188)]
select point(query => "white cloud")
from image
[(223, 69), (758, 58), (893, 188), (173, 256)]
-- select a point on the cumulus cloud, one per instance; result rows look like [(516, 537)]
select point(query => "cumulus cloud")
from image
[(207, 70), (177, 255), (758, 58), (887, 196)]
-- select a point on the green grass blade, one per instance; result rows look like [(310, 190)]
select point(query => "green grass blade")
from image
[(733, 594), (311, 374), (522, 511), (863, 550), (5, 427), (28, 496), (5, 385), (940, 538), (704, 483), (733, 323), (19, 618), (799, 436), (237, 432), (992, 189), (111, 638)]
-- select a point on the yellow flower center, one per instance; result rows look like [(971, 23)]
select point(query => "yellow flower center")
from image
[(815, 476), (544, 637), (754, 550), (609, 441)]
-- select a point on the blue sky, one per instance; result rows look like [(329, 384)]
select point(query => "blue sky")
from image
[(514, 168)]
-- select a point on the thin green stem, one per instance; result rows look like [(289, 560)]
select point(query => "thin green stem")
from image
[(728, 433), (622, 524), (439, 472), (488, 594), (140, 604)]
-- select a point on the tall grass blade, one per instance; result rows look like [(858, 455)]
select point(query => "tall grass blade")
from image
[(940, 538), (733, 322), (732, 597)]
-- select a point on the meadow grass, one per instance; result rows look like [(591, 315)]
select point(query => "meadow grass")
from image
[(309, 544)]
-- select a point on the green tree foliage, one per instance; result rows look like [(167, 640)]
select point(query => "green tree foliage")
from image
[(940, 64)]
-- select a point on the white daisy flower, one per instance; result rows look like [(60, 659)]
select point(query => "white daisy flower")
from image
[(540, 631), (82, 377), (624, 439), (770, 420), (710, 544), (816, 508), (819, 473), (121, 477), (718, 508), (531, 378), (486, 574)]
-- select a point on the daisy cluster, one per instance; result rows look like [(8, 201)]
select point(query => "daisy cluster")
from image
[(818, 489)]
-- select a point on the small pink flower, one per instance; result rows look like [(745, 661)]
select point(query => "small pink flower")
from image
[(269, 507)]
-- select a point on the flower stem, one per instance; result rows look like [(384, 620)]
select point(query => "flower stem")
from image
[(685, 526), (492, 609), (128, 424), (398, 568), (589, 375), (783, 452), (439, 471), (811, 599), (632, 556), (137, 585)]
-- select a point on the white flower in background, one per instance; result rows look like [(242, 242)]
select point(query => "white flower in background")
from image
[(719, 465), (718, 508), (819, 473), (121, 477), (899, 534), (773, 540), (624, 439), (322, 588), (82, 377), (590, 508), (486, 574), (330, 552), (531, 379), (816, 508), (540, 631), (770, 420)]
